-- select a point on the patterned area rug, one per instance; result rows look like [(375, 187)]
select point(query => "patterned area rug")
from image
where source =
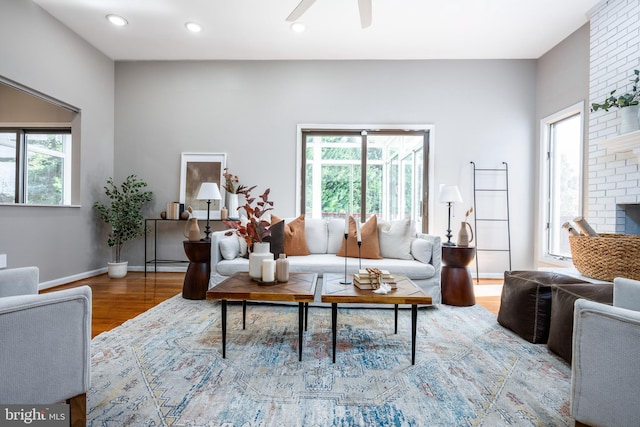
[(165, 368)]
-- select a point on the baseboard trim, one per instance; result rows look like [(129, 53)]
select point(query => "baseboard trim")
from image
[(73, 278)]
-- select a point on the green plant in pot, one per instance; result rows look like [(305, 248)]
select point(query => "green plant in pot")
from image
[(123, 213), (627, 103)]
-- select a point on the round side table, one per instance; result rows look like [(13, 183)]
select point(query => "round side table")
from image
[(457, 286), (196, 281)]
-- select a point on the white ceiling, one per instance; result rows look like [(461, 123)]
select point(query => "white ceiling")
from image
[(256, 29)]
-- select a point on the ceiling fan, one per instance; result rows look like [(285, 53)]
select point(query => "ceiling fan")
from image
[(364, 7)]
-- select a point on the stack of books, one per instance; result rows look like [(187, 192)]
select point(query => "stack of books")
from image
[(363, 281)]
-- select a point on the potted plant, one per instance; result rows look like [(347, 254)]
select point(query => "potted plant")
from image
[(627, 103), (123, 213)]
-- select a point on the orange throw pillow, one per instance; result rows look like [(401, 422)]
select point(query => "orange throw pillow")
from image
[(295, 240), (370, 248)]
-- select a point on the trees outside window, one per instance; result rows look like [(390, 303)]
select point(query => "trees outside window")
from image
[(364, 173)]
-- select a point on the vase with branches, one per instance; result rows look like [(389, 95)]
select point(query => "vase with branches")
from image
[(256, 227)]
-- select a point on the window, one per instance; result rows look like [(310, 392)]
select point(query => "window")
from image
[(35, 166), (365, 173), (562, 178)]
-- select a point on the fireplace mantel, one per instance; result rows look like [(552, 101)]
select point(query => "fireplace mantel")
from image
[(628, 142)]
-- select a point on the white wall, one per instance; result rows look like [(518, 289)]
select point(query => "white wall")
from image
[(562, 81), (483, 111), (39, 52)]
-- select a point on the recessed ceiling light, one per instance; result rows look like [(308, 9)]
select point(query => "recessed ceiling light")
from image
[(298, 27), (193, 27), (117, 20)]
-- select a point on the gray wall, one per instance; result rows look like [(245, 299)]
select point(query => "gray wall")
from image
[(40, 53), (482, 111), (562, 81)]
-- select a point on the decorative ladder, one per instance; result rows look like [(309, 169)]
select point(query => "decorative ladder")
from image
[(500, 189)]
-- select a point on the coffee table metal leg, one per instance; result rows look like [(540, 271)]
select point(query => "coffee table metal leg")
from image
[(414, 324), (396, 319), (244, 314), (224, 328), (334, 321), (300, 329), (306, 315)]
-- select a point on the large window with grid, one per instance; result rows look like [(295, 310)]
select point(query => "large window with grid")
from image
[(35, 166), (364, 173)]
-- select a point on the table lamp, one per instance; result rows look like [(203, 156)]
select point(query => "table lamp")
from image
[(449, 194), (208, 191)]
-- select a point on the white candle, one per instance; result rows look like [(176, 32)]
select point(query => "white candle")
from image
[(346, 224), (268, 270), (358, 235)]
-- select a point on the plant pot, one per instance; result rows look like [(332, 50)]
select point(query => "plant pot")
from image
[(117, 270), (260, 252), (629, 119)]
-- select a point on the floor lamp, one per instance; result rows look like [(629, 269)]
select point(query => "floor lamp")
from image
[(208, 191), (449, 194)]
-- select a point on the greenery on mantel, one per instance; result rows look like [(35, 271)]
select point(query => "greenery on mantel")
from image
[(123, 212), (625, 100)]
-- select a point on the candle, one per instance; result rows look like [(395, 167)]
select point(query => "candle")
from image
[(358, 235), (268, 270), (346, 224)]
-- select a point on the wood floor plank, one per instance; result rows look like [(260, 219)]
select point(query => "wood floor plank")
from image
[(117, 300)]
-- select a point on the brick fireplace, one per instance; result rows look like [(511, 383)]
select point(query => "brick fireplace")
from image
[(613, 171)]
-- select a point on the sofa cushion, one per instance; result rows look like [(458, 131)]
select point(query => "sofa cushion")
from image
[(276, 239), (335, 228), (317, 235), (421, 250), (330, 263), (230, 246), (370, 248), (295, 240), (395, 238)]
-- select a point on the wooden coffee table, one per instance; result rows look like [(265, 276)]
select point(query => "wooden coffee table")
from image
[(407, 292), (300, 288)]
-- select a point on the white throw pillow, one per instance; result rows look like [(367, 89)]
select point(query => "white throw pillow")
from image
[(395, 238), (230, 247), (421, 250)]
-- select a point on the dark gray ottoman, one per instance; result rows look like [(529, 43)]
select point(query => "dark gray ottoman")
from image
[(563, 298), (525, 303)]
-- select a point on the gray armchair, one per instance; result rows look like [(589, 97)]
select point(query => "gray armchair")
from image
[(45, 343), (606, 362)]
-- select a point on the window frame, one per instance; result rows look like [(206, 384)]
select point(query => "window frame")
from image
[(22, 157), (545, 201), (428, 161)]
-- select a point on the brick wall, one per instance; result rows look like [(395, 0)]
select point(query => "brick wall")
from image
[(613, 178)]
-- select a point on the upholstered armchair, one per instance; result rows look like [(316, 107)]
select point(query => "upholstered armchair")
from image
[(606, 361), (44, 343)]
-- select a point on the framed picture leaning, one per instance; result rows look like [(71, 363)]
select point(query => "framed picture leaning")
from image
[(196, 168)]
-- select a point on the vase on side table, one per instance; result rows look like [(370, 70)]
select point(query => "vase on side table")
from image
[(259, 252)]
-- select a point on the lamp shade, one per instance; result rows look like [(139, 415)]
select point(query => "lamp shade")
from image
[(209, 191), (450, 194)]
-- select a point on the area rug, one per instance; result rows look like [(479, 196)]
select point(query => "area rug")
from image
[(165, 368)]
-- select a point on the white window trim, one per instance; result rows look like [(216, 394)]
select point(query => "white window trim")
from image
[(543, 212), (424, 127)]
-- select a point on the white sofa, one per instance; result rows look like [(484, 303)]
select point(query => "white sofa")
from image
[(421, 253)]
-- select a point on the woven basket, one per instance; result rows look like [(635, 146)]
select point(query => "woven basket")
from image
[(607, 256)]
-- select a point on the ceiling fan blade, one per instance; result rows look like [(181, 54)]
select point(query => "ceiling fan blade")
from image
[(300, 9), (365, 13)]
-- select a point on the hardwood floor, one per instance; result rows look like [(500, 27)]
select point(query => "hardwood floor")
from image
[(117, 300)]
